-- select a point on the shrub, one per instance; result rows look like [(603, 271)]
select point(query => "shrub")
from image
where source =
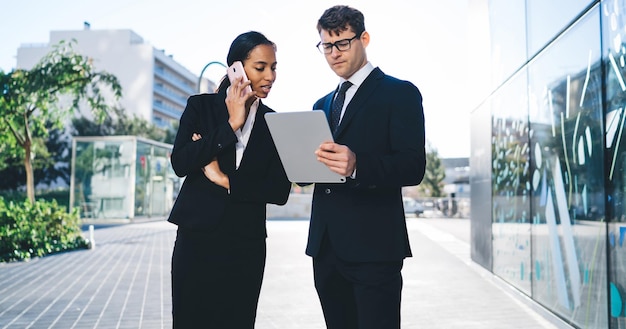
[(61, 195), (37, 229)]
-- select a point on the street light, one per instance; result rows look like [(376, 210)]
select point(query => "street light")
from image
[(204, 69)]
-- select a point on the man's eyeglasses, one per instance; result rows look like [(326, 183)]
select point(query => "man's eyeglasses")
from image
[(341, 45)]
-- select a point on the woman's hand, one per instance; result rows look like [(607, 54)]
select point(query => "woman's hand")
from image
[(212, 171), (236, 101)]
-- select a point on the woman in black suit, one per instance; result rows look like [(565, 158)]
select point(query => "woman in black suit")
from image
[(224, 149)]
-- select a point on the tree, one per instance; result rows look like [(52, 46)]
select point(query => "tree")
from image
[(49, 166), (50, 92), (117, 123), (52, 162), (432, 184)]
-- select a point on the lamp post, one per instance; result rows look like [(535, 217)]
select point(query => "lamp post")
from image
[(204, 69)]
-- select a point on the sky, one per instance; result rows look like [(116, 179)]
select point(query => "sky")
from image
[(424, 42)]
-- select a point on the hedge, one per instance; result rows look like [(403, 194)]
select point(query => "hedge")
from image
[(37, 229)]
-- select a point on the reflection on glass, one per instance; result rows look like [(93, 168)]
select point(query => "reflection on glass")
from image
[(154, 184), (507, 28), (547, 18), (568, 231), (102, 170), (614, 37), (511, 185)]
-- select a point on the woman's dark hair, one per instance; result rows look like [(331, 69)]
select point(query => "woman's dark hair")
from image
[(340, 18), (240, 50)]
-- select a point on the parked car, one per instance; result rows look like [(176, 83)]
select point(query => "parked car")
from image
[(412, 206)]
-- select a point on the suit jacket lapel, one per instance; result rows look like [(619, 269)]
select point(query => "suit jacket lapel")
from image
[(220, 114), (327, 102), (366, 89)]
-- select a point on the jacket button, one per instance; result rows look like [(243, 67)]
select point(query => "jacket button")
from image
[(327, 191), (219, 146)]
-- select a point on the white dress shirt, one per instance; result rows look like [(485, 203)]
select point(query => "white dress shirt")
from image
[(357, 80), (243, 133)]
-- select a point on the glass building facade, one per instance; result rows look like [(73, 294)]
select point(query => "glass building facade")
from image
[(549, 155), (121, 178)]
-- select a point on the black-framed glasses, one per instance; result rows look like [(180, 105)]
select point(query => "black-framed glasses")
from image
[(341, 45)]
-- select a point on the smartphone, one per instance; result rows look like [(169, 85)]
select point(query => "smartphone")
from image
[(235, 71)]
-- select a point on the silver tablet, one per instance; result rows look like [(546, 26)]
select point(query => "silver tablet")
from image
[(297, 135)]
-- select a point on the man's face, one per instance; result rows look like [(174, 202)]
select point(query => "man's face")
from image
[(351, 58)]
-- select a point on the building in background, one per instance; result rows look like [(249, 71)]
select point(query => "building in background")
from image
[(456, 183), (549, 153), (155, 87), (125, 177)]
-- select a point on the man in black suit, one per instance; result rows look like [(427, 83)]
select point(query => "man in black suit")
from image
[(357, 236)]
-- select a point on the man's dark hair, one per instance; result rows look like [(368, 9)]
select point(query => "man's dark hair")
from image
[(340, 18)]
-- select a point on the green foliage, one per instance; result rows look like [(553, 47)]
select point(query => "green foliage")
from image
[(52, 163), (60, 196), (47, 94), (117, 122), (49, 166), (37, 229), (432, 184)]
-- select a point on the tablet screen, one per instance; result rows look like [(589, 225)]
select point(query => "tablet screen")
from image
[(297, 135)]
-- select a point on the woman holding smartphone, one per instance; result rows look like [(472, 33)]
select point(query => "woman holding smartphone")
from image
[(224, 150)]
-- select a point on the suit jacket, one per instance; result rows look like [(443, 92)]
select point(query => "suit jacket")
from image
[(260, 178), (364, 218)]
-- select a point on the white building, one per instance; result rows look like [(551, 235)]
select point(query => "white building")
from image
[(154, 86)]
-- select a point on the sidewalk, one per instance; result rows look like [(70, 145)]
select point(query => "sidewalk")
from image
[(125, 283)]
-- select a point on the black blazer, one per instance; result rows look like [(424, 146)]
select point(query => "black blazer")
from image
[(260, 179), (364, 218)]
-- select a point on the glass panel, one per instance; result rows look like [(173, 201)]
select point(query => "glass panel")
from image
[(102, 171), (83, 172), (142, 179), (507, 28), (567, 176), (155, 180), (480, 191), (511, 184), (161, 197), (614, 27), (547, 18)]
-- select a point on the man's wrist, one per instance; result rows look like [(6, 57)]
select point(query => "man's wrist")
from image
[(353, 175)]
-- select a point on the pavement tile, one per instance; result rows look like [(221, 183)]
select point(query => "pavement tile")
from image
[(124, 282)]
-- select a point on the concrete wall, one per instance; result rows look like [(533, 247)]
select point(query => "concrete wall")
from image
[(298, 206)]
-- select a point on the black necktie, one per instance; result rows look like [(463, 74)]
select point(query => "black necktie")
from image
[(335, 114)]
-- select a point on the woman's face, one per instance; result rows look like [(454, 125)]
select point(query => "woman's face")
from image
[(260, 67)]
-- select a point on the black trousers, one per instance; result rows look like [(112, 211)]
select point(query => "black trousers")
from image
[(357, 295), (216, 280)]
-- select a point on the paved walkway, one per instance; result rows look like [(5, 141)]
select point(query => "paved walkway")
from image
[(125, 283)]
